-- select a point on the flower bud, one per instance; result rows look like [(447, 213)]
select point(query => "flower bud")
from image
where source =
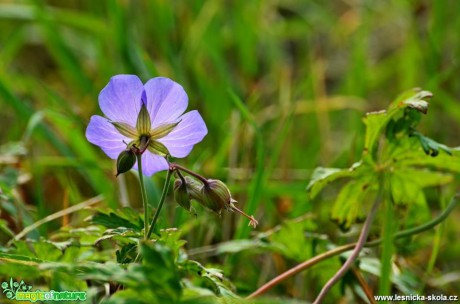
[(181, 195), (125, 161), (215, 195)]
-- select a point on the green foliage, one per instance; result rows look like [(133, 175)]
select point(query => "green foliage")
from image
[(282, 86), (391, 158), (166, 275), (125, 217)]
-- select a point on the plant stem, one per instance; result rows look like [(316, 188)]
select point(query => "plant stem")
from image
[(365, 287), (143, 194), (253, 222), (157, 213), (387, 249), (351, 259), (338, 250), (299, 268), (161, 203), (174, 166)]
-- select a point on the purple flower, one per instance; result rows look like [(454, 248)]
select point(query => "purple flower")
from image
[(149, 116)]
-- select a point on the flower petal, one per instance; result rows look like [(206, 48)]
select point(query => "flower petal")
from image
[(166, 100), (188, 132), (152, 163), (120, 100), (102, 133)]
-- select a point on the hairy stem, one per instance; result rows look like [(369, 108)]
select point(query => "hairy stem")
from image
[(174, 166), (161, 203), (354, 254), (143, 194), (157, 213), (338, 250)]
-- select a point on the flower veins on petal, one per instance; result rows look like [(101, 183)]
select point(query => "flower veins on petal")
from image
[(148, 117)]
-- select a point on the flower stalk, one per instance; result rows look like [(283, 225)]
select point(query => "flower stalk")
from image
[(338, 250), (174, 166), (143, 194), (252, 221), (160, 204)]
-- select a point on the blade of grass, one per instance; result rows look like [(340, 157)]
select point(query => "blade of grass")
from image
[(256, 185)]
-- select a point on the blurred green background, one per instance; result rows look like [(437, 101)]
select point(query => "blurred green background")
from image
[(281, 85)]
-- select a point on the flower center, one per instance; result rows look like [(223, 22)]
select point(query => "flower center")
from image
[(143, 136)]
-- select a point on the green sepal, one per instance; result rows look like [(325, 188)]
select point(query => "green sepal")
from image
[(181, 195), (158, 148), (125, 129), (163, 130), (215, 196), (143, 123), (194, 188)]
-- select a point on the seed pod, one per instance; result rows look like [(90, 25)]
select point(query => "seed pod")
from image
[(215, 195), (125, 161), (193, 188)]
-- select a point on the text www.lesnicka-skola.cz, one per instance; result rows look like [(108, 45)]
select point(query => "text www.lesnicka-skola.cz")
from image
[(416, 297)]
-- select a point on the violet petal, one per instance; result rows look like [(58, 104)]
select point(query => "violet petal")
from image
[(152, 163), (166, 100), (187, 133), (120, 99), (102, 133)]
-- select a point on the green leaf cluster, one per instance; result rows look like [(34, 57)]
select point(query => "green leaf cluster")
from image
[(84, 259), (395, 156)]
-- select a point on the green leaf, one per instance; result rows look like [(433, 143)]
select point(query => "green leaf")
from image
[(290, 240), (404, 281), (125, 217), (431, 147), (19, 259), (417, 100), (171, 238), (127, 253), (46, 250), (5, 229), (121, 235), (424, 177), (376, 122), (350, 203), (213, 278), (404, 191), (132, 296), (442, 161), (236, 246), (161, 272), (323, 176)]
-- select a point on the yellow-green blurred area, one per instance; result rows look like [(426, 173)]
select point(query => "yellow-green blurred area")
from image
[(283, 87)]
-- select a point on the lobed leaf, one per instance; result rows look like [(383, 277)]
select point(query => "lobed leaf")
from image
[(125, 217), (376, 122), (323, 176), (351, 200)]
